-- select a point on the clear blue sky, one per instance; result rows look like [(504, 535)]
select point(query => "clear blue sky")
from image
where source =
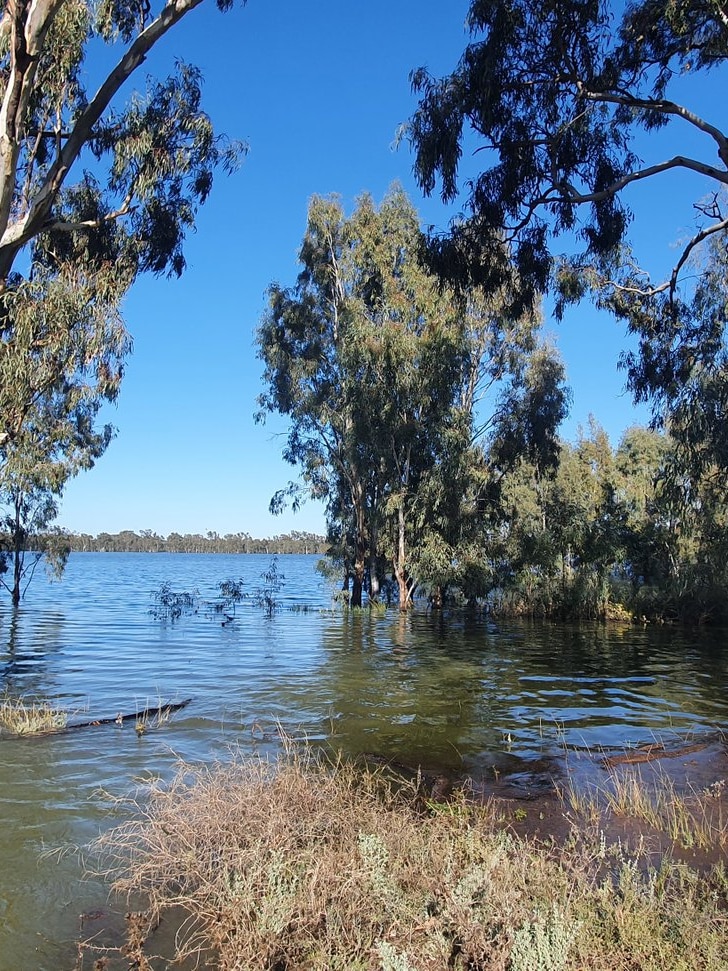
[(317, 91)]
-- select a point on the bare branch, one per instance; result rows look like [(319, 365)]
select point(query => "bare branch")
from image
[(664, 107), (695, 241), (574, 197)]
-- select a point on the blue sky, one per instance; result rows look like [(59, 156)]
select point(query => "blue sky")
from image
[(317, 91)]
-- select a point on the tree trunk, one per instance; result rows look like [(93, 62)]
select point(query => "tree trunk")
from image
[(361, 543), (18, 554), (374, 584), (358, 577), (400, 571)]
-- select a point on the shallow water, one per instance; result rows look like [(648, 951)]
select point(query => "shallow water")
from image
[(442, 691)]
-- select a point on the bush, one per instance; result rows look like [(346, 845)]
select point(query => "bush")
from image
[(307, 865)]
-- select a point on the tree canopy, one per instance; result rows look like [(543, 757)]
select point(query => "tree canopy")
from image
[(76, 170), (93, 191), (552, 98)]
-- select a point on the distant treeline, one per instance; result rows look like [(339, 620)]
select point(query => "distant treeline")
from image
[(147, 541)]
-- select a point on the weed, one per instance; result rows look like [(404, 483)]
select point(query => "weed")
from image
[(544, 943), (30, 718), (303, 863)]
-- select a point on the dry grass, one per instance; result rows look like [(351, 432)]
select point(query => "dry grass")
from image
[(30, 718), (305, 865), (692, 821)]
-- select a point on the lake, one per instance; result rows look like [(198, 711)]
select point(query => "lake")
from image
[(455, 694)]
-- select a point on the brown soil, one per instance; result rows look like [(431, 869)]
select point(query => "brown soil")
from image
[(534, 800)]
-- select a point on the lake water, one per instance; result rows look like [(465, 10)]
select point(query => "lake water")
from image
[(450, 693)]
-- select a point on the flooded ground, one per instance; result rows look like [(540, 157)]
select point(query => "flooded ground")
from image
[(518, 709)]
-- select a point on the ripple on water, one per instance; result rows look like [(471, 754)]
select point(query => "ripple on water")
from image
[(449, 693)]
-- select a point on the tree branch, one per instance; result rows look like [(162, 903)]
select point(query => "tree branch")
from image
[(664, 107), (695, 241), (69, 227), (574, 197), (27, 23), (16, 235)]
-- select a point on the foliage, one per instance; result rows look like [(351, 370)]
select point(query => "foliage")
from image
[(92, 193), (152, 161), (607, 534), (266, 596), (553, 98), (562, 102), (246, 858), (61, 358), (379, 370), (168, 604)]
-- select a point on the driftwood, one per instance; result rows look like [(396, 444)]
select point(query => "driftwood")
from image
[(649, 753), (161, 711)]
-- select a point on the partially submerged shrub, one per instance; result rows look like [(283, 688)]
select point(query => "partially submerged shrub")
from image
[(266, 596), (170, 605), (304, 865), (30, 718)]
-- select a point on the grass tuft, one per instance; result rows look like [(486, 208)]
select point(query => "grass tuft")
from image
[(30, 718), (693, 821)]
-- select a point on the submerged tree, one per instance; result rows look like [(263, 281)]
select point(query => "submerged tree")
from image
[(378, 369), (561, 102)]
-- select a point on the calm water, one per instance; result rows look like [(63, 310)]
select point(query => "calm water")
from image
[(442, 691)]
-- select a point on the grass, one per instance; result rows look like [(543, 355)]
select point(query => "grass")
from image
[(30, 718), (307, 865), (692, 821)]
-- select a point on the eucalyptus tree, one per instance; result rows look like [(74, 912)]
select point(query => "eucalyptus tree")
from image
[(61, 360), (652, 526), (522, 453), (555, 94), (378, 368), (559, 101), (92, 192)]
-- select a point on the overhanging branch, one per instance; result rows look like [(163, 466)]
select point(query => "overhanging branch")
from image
[(23, 230)]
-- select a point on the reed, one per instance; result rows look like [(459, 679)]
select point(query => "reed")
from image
[(23, 717)]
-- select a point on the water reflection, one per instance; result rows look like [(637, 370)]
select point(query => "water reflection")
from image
[(448, 692)]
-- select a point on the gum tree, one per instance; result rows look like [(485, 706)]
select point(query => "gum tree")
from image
[(561, 103), (93, 191), (553, 96), (379, 370), (558, 101)]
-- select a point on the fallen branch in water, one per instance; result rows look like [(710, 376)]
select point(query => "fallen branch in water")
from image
[(657, 750), (140, 718), (161, 711)]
